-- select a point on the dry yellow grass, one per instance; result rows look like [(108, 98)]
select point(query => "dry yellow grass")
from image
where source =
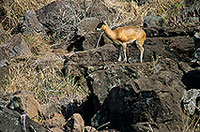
[(130, 11), (16, 9), (127, 11), (41, 74)]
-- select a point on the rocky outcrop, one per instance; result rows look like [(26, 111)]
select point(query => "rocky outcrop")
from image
[(142, 93), (120, 96), (16, 47)]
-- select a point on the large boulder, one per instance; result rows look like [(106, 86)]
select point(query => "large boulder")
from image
[(12, 121), (102, 80), (59, 17), (80, 62), (143, 100), (123, 108)]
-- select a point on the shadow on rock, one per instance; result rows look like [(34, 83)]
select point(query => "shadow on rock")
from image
[(124, 108), (191, 79)]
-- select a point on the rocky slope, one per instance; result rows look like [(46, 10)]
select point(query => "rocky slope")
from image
[(155, 95)]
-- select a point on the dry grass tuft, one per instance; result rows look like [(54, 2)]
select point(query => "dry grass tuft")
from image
[(16, 9), (41, 74), (190, 124), (130, 11), (126, 11)]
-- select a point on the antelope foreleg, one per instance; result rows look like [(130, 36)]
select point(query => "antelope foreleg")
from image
[(124, 49), (119, 53)]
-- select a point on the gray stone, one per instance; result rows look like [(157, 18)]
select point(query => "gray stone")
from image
[(190, 101), (151, 20), (30, 24), (15, 47)]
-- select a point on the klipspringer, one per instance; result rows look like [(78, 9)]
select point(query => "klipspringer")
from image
[(123, 36)]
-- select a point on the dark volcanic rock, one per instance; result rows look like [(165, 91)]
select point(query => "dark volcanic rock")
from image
[(58, 18), (191, 79), (11, 121), (94, 57), (77, 64), (146, 99), (102, 80), (127, 108), (133, 96), (197, 39)]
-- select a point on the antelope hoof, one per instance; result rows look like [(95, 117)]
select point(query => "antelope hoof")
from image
[(125, 60), (119, 59)]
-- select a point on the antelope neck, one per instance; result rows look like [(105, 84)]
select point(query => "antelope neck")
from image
[(111, 34)]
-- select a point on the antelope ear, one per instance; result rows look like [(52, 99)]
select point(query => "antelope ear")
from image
[(104, 23), (100, 20)]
